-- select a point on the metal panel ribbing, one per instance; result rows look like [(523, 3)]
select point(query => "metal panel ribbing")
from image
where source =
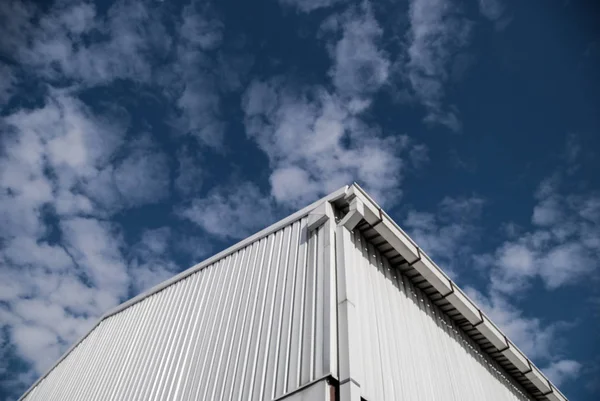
[(249, 326), (411, 349)]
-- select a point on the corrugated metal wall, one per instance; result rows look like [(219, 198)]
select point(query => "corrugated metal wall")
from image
[(410, 349), (254, 325)]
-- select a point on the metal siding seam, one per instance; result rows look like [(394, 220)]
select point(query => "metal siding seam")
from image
[(245, 379), (234, 303), (408, 370), (149, 321), (304, 336), (157, 350), (320, 303), (216, 285), (312, 333), (202, 280), (134, 344), (429, 336), (393, 331), (374, 357), (100, 358), (185, 337), (293, 373), (284, 363), (357, 286), (390, 329), (373, 276), (275, 245), (241, 300), (330, 333), (128, 321), (206, 287), (216, 339), (81, 355), (122, 324), (423, 376), (221, 282), (151, 327), (270, 383), (94, 341), (384, 322), (167, 375), (276, 289), (238, 380), (234, 385), (166, 340)]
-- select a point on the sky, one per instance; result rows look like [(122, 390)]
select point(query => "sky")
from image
[(140, 137)]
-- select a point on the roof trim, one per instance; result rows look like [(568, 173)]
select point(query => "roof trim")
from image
[(332, 197), (362, 206)]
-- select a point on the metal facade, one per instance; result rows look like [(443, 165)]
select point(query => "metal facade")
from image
[(251, 326), (410, 350), (337, 291)]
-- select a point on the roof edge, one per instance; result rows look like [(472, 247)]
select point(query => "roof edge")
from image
[(362, 204), (336, 195)]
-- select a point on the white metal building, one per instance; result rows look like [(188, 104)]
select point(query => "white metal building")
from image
[(334, 302)]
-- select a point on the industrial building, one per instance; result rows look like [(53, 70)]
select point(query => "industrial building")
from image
[(334, 302)]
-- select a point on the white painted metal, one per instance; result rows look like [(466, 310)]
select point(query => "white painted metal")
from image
[(409, 349), (299, 301), (254, 325)]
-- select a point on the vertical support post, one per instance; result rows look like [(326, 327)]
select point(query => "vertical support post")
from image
[(330, 348), (349, 350)]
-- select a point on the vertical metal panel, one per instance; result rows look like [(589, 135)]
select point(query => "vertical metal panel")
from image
[(411, 349), (250, 326)]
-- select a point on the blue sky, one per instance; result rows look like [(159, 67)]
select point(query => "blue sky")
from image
[(474, 123)]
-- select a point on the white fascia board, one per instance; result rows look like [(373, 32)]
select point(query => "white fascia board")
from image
[(404, 245), (537, 378), (556, 395), (434, 275), (492, 333), (516, 357), (400, 242), (465, 306)]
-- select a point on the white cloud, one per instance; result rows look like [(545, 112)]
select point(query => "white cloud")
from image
[(151, 263), (58, 278), (561, 249), (491, 9), (437, 32), (128, 39), (448, 235), (190, 174), (191, 80), (360, 66), (535, 338), (95, 247), (310, 5), (143, 176), (233, 211), (316, 144), (130, 42), (6, 83), (560, 371)]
